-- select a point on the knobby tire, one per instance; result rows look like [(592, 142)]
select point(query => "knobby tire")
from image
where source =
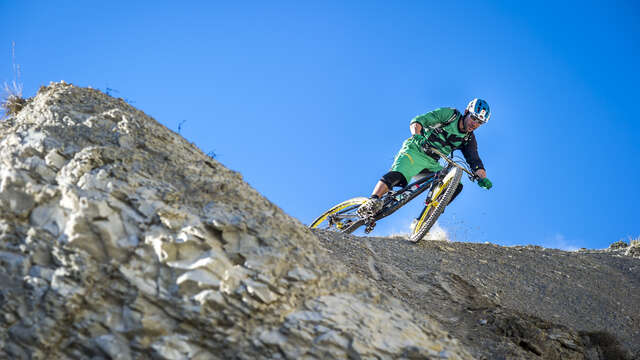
[(432, 214), (346, 208)]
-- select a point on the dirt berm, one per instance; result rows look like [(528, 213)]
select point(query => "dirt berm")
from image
[(522, 302)]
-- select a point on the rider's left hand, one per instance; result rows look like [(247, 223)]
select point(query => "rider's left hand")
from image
[(485, 183)]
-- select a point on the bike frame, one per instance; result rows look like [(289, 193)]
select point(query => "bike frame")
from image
[(415, 188), (394, 200)]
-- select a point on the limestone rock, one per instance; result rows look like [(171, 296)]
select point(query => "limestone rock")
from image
[(120, 239)]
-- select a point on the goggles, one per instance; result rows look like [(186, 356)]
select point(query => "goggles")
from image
[(477, 119)]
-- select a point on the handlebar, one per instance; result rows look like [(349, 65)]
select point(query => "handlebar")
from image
[(430, 149)]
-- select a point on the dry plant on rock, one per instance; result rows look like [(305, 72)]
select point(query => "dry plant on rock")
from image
[(12, 100)]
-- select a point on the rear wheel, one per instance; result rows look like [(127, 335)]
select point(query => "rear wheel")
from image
[(440, 197), (342, 217)]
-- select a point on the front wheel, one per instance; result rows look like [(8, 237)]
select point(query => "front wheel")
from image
[(440, 197), (342, 217)]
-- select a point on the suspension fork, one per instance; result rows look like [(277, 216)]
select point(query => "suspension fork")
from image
[(438, 177)]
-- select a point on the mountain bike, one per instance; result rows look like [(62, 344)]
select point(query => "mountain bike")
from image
[(441, 185)]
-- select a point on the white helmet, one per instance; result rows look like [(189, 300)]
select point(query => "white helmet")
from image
[(479, 109)]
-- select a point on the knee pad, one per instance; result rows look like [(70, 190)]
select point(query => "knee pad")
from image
[(394, 178)]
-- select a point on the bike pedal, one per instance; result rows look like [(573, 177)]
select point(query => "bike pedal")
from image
[(369, 227)]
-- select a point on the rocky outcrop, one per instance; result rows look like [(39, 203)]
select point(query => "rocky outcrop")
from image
[(121, 240)]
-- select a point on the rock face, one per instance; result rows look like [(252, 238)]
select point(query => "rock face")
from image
[(121, 240)]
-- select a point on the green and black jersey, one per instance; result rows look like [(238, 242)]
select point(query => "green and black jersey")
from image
[(440, 127), (448, 137)]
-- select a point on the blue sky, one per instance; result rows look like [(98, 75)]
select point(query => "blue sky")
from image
[(311, 101)]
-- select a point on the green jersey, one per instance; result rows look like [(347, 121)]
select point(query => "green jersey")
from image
[(440, 128)]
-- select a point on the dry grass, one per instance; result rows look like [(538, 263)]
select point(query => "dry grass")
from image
[(12, 103), (620, 244), (629, 242), (12, 100)]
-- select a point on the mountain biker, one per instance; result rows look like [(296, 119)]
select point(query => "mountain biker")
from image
[(446, 130)]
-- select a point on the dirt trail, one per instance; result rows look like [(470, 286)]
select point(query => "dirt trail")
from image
[(509, 302)]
